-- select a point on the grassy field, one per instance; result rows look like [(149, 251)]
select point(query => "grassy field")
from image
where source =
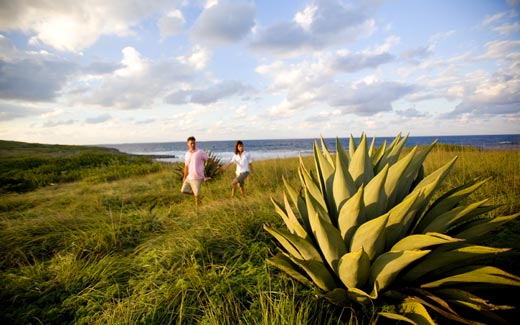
[(119, 243)]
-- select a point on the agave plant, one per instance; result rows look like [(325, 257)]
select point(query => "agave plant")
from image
[(369, 227)]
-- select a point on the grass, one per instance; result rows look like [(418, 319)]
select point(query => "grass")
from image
[(130, 248)]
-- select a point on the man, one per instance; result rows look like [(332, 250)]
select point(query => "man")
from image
[(193, 177)]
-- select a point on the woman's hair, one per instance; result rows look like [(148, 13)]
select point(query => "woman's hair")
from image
[(236, 146)]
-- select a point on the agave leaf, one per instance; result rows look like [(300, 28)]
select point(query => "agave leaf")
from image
[(421, 241), (353, 269), (351, 215), (469, 300), (289, 218), (299, 203), (395, 177), (377, 154), (318, 273), (296, 246), (411, 312), (351, 146), (326, 151), (428, 185), (285, 264), (313, 208), (445, 220), (340, 150), (374, 195), (312, 188), (384, 159), (371, 148), (465, 299), (370, 236), (399, 218), (396, 148), (412, 172), (451, 199), (434, 177), (343, 184), (472, 218), (439, 305), (478, 230), (439, 261), (325, 171), (387, 266), (329, 240), (477, 274), (360, 164), (298, 228), (342, 297)]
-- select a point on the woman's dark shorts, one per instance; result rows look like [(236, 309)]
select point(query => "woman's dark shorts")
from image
[(241, 178)]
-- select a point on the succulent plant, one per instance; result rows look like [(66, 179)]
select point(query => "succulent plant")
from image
[(368, 227)]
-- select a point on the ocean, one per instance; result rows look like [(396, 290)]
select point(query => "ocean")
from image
[(284, 148)]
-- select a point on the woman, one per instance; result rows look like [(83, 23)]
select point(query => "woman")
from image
[(244, 164)]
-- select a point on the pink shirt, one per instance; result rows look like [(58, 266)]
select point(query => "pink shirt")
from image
[(195, 162)]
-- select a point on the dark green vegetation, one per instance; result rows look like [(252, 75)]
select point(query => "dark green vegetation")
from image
[(28, 166), (133, 250)]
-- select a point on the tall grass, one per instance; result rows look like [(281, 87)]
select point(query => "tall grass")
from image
[(135, 250)]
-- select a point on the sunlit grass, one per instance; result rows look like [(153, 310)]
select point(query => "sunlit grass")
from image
[(136, 250)]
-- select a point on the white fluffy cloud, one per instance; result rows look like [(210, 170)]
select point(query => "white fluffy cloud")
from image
[(186, 66), (75, 25)]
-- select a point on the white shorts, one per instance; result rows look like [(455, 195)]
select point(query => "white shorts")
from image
[(191, 186)]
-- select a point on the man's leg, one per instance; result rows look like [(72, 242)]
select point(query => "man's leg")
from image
[(195, 186), (186, 187)]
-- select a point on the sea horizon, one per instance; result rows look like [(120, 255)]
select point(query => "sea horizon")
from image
[(284, 148)]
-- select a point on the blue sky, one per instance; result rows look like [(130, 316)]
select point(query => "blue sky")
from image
[(119, 71)]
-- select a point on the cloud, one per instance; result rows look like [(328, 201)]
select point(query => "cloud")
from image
[(73, 26), (367, 99), (225, 22), (171, 24), (98, 119), (198, 58), (137, 84), (8, 50), (98, 68), (35, 77), (416, 55), (353, 62), (319, 25), (208, 95), (9, 111), (55, 123), (499, 49), (498, 95), (411, 112)]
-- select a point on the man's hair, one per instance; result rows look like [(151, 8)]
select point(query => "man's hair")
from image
[(192, 138)]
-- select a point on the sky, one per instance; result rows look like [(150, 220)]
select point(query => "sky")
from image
[(139, 71)]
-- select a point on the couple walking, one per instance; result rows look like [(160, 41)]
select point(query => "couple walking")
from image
[(194, 160)]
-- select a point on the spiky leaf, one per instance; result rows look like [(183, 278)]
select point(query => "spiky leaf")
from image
[(477, 274), (387, 266), (370, 236), (353, 269)]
